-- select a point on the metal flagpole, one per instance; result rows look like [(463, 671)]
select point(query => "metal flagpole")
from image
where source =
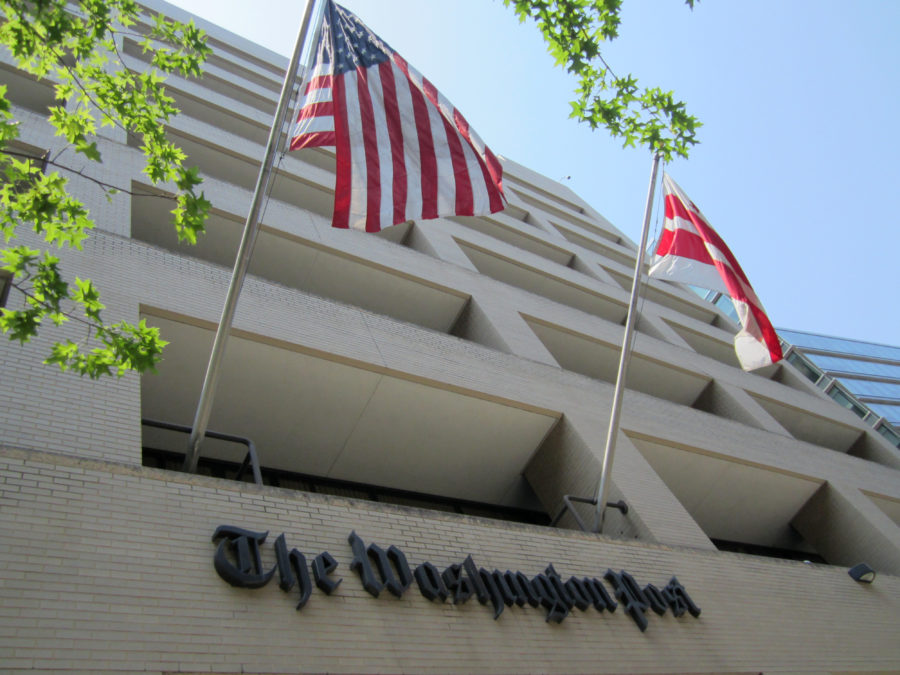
[(624, 357), (242, 262), (304, 72)]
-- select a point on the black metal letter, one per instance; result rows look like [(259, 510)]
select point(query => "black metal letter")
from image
[(290, 564), (630, 595), (493, 591), (383, 562), (579, 594), (323, 565), (543, 588), (513, 581), (460, 586), (655, 598), (244, 545), (475, 579), (526, 590), (559, 588), (362, 566), (679, 600), (597, 592), (430, 583), (508, 595)]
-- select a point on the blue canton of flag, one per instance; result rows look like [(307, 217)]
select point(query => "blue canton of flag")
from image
[(403, 151)]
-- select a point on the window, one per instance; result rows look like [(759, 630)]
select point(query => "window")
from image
[(837, 364), (5, 284), (885, 390), (173, 461), (889, 434), (724, 303), (846, 401), (889, 411), (840, 345), (804, 367)]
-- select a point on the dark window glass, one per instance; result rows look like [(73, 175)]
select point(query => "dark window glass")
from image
[(804, 367), (845, 401), (889, 434), (5, 279)]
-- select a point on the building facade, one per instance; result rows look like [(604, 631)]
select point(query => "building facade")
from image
[(861, 376), (421, 402)]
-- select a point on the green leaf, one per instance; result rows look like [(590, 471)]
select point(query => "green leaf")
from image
[(574, 31), (76, 50), (89, 150)]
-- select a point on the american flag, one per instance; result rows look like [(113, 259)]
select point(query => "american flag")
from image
[(403, 151), (690, 251)]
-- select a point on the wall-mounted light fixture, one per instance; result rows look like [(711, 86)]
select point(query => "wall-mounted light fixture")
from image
[(862, 573)]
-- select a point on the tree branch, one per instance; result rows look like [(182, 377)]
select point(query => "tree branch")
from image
[(97, 181)]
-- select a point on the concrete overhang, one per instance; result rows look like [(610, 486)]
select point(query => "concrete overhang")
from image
[(731, 500), (317, 414), (310, 266)]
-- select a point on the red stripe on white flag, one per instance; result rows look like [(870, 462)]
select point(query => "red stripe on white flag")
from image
[(690, 251)]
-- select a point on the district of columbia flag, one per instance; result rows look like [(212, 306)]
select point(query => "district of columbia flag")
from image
[(403, 151), (691, 252)]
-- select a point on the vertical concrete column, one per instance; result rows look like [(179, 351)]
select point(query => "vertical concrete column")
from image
[(434, 238), (569, 462), (652, 325), (104, 187), (537, 219), (492, 320), (587, 262), (846, 527), (114, 133), (90, 418), (732, 402), (90, 180), (652, 503)]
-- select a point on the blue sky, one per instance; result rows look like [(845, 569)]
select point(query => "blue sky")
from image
[(798, 163)]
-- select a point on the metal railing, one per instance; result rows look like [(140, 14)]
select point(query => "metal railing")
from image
[(250, 460), (567, 506)]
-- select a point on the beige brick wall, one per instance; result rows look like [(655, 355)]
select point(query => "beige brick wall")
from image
[(108, 567)]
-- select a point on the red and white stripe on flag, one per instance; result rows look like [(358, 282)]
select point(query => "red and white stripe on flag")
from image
[(403, 151), (691, 252), (315, 122)]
